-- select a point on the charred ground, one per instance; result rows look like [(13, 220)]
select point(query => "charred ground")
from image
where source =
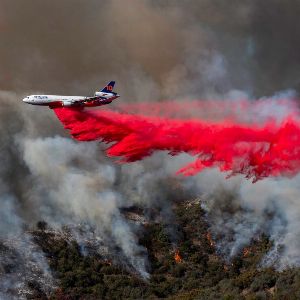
[(184, 263)]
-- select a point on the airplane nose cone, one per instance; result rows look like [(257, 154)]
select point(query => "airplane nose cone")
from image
[(26, 100)]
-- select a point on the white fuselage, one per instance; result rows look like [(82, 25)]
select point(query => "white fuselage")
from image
[(54, 101)]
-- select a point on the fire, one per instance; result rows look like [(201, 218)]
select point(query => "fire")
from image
[(246, 252), (105, 261), (177, 257), (108, 262), (210, 240)]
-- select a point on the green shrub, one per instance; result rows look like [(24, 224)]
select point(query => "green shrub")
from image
[(264, 280)]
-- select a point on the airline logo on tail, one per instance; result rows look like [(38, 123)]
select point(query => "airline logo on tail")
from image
[(109, 88)]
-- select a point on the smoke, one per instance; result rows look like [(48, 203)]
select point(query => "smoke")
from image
[(176, 47), (240, 211), (80, 191), (46, 176), (21, 262), (154, 50)]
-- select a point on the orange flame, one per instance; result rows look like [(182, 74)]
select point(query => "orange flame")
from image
[(210, 240), (246, 252), (177, 257), (108, 262)]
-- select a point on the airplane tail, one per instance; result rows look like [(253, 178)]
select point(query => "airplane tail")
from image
[(109, 87)]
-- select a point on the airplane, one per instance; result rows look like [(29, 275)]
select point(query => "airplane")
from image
[(105, 96)]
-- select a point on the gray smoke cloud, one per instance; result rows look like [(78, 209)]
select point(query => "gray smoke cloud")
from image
[(154, 50), (240, 211), (175, 47), (80, 189), (21, 260), (47, 176)]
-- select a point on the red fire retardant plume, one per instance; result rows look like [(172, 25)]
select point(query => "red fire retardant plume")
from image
[(256, 151)]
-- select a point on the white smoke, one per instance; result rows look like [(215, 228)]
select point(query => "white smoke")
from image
[(21, 261), (240, 211), (71, 185)]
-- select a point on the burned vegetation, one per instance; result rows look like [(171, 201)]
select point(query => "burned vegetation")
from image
[(184, 263)]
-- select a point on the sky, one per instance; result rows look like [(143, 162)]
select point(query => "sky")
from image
[(154, 49)]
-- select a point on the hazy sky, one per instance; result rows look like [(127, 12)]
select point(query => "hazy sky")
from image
[(194, 47)]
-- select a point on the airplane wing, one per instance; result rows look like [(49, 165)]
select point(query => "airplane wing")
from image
[(94, 98), (87, 99)]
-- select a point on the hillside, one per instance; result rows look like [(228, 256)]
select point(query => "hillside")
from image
[(183, 263)]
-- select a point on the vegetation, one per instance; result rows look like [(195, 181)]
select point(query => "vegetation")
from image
[(198, 273)]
